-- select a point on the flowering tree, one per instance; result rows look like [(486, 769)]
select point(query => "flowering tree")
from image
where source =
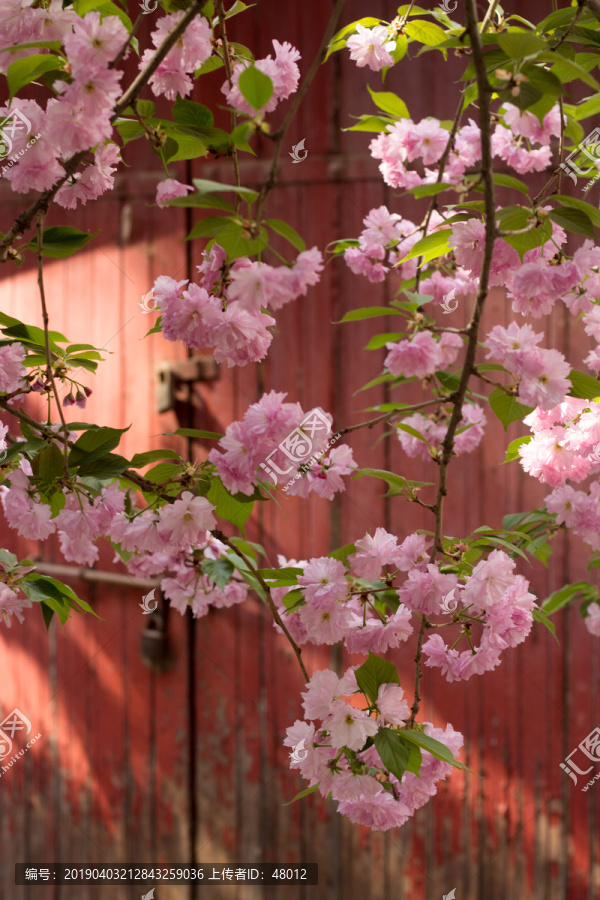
[(360, 741)]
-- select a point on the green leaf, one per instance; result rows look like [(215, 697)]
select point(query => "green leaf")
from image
[(234, 240), (512, 451), (30, 45), (303, 793), (164, 472), (369, 312), (342, 553), (209, 226), (590, 211), (584, 386), (507, 408), (437, 749), (573, 220), (28, 68), (429, 190), (394, 752), (197, 433), (256, 87), (520, 44), (410, 430), (94, 444), (380, 340), (184, 146), (508, 181), (228, 506), (293, 598), (286, 576), (566, 595), (430, 247), (588, 107), (286, 231), (390, 103), (61, 241), (206, 186), (369, 123), (150, 456), (373, 673), (568, 70), (187, 112), (51, 463), (218, 570), (541, 616), (425, 32)]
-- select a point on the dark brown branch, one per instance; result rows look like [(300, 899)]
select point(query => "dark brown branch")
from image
[(267, 590), (24, 221), (279, 135)]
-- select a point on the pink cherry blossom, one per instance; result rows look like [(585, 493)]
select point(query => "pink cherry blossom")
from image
[(323, 579), (592, 620), (418, 357), (12, 605), (187, 520), (372, 553), (348, 726), (391, 704), (371, 47), (170, 190), (12, 370)]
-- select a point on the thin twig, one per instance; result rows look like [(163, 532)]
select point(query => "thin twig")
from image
[(274, 611), (46, 322), (227, 62), (24, 221), (390, 415), (488, 16), (484, 91), (298, 98)]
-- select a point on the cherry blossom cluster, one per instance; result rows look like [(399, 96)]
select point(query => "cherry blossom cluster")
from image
[(498, 601), (333, 748), (79, 117), (225, 310), (434, 427), (174, 539), (283, 71), (14, 378), (543, 373), (172, 77), (340, 604), (273, 441)]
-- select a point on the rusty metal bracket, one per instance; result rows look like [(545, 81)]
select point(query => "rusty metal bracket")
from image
[(173, 374)]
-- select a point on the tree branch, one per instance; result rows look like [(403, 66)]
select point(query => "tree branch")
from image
[(298, 98), (24, 221), (274, 611)]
